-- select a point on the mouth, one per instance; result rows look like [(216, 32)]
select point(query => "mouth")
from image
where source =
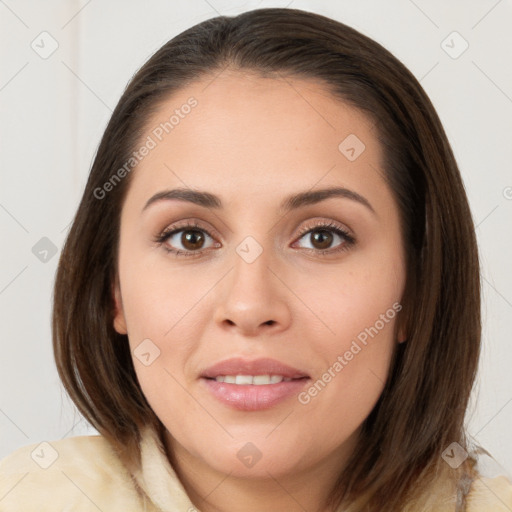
[(256, 380), (238, 367), (253, 385)]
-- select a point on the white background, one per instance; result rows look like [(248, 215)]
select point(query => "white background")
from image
[(54, 110)]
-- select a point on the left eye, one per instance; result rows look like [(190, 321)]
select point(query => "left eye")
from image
[(323, 237)]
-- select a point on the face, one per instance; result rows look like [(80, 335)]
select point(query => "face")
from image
[(302, 295)]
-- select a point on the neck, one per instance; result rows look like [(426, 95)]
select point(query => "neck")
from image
[(214, 491)]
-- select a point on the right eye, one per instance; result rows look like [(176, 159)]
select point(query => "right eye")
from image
[(190, 236)]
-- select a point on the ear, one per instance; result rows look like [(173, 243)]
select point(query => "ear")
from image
[(119, 320), (402, 335), (401, 331)]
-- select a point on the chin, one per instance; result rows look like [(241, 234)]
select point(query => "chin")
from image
[(260, 458)]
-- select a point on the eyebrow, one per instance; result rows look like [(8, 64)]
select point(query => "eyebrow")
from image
[(293, 202)]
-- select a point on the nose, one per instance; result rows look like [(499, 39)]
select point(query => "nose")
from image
[(254, 299)]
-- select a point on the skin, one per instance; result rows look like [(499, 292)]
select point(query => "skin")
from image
[(253, 141)]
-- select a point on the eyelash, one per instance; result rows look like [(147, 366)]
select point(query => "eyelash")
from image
[(349, 240)]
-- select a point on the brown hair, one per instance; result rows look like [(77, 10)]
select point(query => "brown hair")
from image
[(421, 410)]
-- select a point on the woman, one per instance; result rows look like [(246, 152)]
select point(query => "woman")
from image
[(269, 297)]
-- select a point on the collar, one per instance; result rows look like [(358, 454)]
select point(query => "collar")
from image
[(157, 478), (161, 485)]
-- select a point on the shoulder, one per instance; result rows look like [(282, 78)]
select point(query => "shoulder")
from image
[(490, 494), (486, 487), (491, 489), (79, 473)]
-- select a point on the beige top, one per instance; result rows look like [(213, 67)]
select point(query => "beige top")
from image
[(83, 474)]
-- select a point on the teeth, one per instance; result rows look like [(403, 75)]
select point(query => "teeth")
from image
[(258, 380), (243, 379)]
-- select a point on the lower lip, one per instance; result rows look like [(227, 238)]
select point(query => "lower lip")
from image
[(250, 397)]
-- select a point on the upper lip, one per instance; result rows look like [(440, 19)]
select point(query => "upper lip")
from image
[(264, 366)]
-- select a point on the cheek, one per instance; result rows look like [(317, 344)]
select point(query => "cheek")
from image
[(165, 317), (346, 393), (356, 365), (360, 302), (356, 313), (157, 298), (163, 324)]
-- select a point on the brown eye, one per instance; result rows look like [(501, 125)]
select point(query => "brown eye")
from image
[(192, 239), (189, 240), (321, 238), (184, 241)]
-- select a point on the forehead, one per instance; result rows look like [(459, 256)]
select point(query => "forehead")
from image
[(257, 134)]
